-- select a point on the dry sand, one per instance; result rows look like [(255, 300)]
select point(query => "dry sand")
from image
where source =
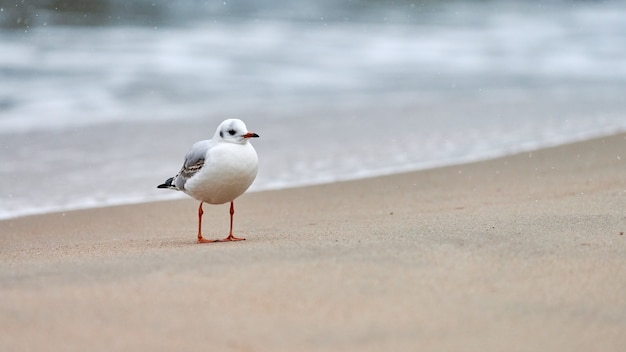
[(523, 253)]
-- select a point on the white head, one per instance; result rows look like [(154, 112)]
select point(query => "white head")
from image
[(233, 131)]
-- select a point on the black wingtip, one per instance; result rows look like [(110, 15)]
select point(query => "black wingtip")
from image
[(167, 184)]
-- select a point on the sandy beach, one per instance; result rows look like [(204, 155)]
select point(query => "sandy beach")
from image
[(522, 253)]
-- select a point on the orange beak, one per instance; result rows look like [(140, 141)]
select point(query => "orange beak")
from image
[(250, 135)]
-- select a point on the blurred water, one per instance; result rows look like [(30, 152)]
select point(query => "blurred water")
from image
[(99, 101)]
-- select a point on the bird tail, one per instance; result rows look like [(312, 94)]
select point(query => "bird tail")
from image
[(168, 184)]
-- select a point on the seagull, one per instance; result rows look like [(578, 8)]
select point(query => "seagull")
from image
[(218, 170)]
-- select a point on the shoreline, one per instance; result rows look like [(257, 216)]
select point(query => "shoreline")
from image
[(524, 252), (135, 200)]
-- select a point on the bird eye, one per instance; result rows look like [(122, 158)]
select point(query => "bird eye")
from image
[(231, 132)]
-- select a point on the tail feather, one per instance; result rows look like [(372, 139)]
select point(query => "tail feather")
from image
[(167, 184)]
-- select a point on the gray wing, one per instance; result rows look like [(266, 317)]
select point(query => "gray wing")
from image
[(194, 161)]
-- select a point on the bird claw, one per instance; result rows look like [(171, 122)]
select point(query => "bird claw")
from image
[(230, 238)]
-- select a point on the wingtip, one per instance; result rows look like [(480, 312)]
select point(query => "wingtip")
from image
[(167, 184)]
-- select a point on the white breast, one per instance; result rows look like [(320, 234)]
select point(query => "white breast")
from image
[(228, 171)]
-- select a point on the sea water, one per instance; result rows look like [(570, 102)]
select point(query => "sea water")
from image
[(99, 104)]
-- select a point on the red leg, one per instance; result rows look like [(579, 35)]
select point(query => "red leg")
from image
[(200, 238), (230, 233)]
